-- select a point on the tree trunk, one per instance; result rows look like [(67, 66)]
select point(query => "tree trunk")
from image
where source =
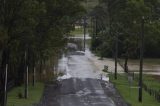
[(126, 64), (5, 85), (20, 73), (41, 68), (3, 77), (26, 83), (34, 74)]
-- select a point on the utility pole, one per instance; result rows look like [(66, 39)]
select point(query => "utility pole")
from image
[(116, 56), (141, 61), (94, 27), (84, 26)]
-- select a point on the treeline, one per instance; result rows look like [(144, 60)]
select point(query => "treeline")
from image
[(32, 34), (123, 19)]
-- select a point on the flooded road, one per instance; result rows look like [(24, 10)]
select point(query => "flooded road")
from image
[(81, 84), (83, 92), (86, 66), (82, 67), (78, 66)]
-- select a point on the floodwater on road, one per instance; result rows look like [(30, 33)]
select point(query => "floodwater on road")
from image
[(78, 66), (81, 84), (82, 67), (81, 92), (86, 66)]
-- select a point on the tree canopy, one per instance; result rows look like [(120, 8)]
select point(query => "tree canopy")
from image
[(35, 28), (123, 18)]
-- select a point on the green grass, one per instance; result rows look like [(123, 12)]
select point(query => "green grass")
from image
[(131, 94), (77, 31), (35, 94), (151, 82)]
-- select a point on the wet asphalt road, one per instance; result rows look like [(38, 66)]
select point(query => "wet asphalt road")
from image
[(82, 89), (83, 92), (76, 92)]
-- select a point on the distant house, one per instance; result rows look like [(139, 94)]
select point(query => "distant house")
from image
[(79, 24)]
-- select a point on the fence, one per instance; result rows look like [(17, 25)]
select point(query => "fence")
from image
[(152, 92), (148, 89)]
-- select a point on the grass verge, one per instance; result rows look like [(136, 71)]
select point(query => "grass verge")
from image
[(35, 94), (130, 94), (152, 81)]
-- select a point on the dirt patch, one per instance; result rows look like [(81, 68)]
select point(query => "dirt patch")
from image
[(157, 77)]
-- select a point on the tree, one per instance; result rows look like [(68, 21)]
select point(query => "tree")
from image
[(124, 18), (37, 28)]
